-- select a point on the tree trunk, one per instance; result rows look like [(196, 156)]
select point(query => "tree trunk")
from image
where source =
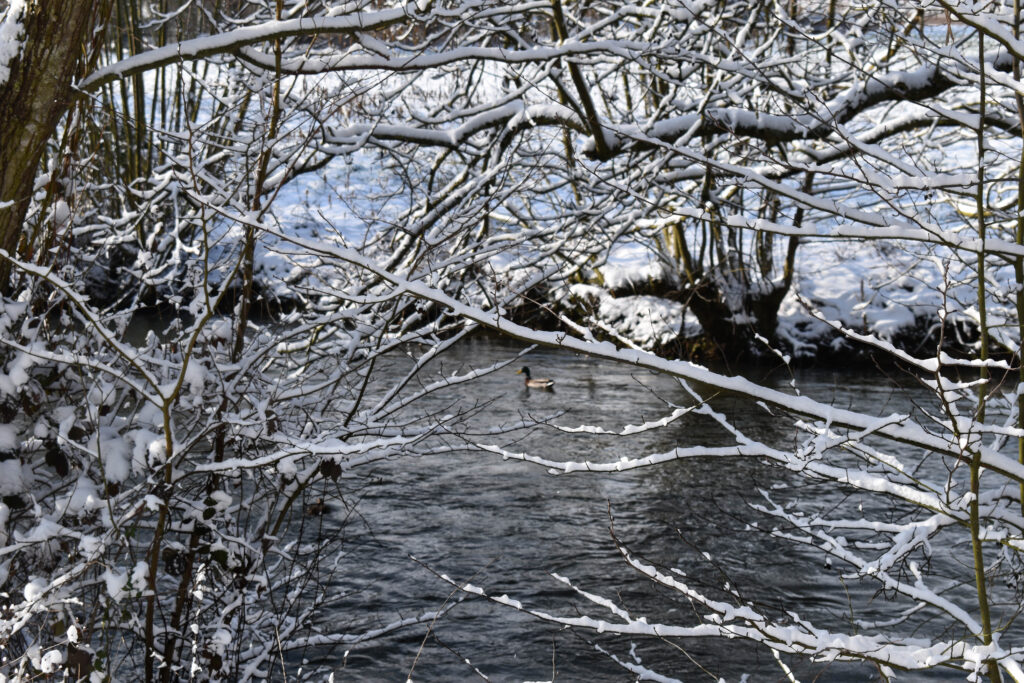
[(731, 335), (32, 101)]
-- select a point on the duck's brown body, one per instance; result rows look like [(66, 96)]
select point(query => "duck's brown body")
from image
[(535, 383)]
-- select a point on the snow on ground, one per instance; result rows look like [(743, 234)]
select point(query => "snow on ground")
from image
[(647, 321), (630, 265), (870, 287), (873, 287), (312, 203), (335, 205), (878, 288), (881, 288), (860, 285)]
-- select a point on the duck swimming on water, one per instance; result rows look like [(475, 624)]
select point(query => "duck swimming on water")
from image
[(316, 509), (538, 383)]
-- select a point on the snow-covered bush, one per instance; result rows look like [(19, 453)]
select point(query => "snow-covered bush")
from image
[(193, 371)]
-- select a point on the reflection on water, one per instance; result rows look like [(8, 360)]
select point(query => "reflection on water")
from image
[(507, 526)]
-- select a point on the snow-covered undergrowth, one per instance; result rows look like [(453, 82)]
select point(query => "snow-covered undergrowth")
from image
[(888, 290), (896, 290), (166, 452)]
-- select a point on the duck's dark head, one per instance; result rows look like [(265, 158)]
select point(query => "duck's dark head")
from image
[(524, 371)]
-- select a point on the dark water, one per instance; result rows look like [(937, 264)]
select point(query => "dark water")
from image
[(507, 526)]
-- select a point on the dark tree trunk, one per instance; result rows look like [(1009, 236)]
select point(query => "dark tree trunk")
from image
[(32, 101), (734, 339)]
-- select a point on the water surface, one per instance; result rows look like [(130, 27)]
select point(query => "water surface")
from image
[(508, 526)]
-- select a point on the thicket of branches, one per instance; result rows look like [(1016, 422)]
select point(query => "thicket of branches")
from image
[(175, 412)]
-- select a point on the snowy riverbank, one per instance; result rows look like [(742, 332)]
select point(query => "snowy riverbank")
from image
[(895, 292)]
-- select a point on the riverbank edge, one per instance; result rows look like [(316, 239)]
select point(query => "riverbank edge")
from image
[(823, 346), (549, 309)]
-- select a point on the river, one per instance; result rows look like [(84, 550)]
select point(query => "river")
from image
[(508, 526)]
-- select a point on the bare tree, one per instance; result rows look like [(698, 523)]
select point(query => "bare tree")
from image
[(50, 43), (164, 482)]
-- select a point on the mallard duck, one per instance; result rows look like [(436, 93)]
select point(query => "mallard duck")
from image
[(316, 509), (539, 383)]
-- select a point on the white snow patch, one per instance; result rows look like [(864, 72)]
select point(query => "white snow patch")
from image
[(17, 373), (11, 37), (867, 290), (116, 582), (8, 438), (51, 661), (34, 589), (11, 482), (645, 320), (221, 500), (139, 575), (195, 377), (113, 453), (630, 265), (83, 498), (142, 439)]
